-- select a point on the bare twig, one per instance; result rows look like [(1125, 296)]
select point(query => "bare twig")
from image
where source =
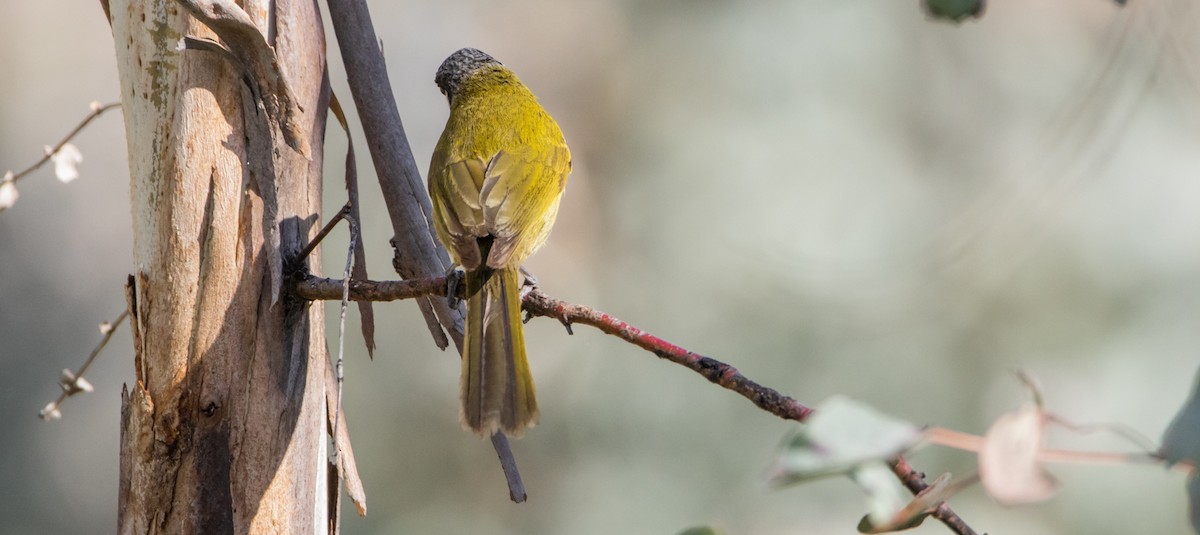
[(73, 382), (97, 110), (766, 398), (339, 369), (1121, 430), (308, 249), (365, 311), (974, 443), (537, 303), (508, 463), (323, 289), (343, 461)]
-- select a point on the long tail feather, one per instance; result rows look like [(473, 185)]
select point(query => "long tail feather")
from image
[(497, 386)]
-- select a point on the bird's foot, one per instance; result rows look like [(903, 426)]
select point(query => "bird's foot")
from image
[(454, 279)]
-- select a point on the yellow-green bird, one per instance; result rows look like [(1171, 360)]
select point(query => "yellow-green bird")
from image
[(496, 178)]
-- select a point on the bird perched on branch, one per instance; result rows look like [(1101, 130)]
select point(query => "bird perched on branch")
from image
[(496, 178)]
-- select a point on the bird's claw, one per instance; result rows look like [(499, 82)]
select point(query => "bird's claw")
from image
[(454, 278)]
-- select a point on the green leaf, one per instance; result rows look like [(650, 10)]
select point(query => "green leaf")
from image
[(885, 496), (1181, 441), (701, 530), (841, 435), (954, 10)]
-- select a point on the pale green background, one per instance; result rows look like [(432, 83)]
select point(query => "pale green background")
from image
[(837, 197)]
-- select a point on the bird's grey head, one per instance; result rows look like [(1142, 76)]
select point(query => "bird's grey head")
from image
[(455, 69)]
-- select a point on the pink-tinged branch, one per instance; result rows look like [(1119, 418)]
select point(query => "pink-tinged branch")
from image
[(536, 303), (539, 304)]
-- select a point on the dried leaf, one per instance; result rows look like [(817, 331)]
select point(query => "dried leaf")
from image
[(66, 162), (365, 310), (8, 193), (841, 435), (914, 512), (1008, 462)]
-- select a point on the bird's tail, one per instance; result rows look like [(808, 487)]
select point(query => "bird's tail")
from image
[(497, 386)]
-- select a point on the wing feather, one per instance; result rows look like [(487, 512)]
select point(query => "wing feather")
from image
[(458, 216), (520, 196)]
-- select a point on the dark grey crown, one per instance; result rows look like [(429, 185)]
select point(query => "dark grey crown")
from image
[(455, 69)]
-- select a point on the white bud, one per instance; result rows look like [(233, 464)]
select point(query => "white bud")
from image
[(8, 193), (50, 412), (66, 163), (83, 385)]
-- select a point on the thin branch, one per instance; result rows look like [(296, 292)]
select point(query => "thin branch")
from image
[(365, 311), (339, 369), (1118, 429), (974, 444), (324, 289), (508, 463), (343, 465), (308, 249), (73, 382), (537, 303), (97, 110)]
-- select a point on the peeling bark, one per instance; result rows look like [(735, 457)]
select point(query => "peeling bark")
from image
[(224, 431)]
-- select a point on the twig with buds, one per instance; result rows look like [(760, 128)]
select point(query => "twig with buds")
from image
[(73, 382)]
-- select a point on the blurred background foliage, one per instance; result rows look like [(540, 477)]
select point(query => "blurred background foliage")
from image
[(837, 197)]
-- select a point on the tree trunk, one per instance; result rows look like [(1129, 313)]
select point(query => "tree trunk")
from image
[(224, 430)]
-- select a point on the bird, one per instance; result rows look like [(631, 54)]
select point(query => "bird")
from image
[(496, 178)]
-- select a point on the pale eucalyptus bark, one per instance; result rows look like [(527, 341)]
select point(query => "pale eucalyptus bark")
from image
[(224, 430)]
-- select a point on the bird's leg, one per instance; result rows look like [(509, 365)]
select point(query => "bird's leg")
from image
[(454, 279), (528, 283)]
